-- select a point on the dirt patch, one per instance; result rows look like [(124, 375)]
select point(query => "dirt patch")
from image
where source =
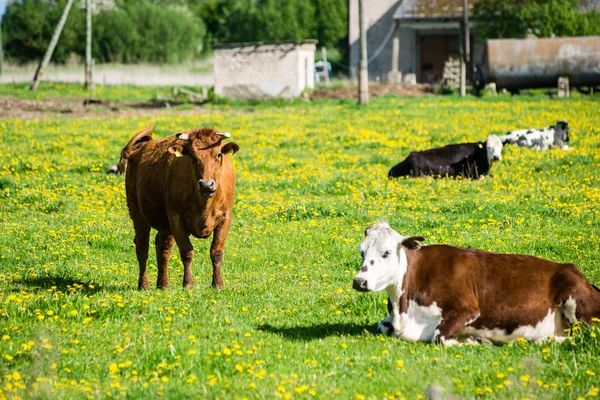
[(375, 90), (11, 107)]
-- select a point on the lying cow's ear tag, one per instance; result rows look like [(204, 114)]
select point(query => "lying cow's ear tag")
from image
[(480, 146), (178, 153)]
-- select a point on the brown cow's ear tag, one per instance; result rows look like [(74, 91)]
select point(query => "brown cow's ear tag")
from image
[(177, 150)]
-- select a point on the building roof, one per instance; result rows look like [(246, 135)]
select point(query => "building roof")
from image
[(452, 9), (257, 44), (431, 9)]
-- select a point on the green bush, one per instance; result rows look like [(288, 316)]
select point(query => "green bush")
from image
[(133, 31), (28, 25), (169, 31), (230, 21), (138, 30), (541, 18)]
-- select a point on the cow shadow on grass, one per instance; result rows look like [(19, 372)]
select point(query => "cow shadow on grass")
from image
[(63, 284), (320, 331)]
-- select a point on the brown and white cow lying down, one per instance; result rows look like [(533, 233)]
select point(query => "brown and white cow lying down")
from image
[(446, 293), (180, 185)]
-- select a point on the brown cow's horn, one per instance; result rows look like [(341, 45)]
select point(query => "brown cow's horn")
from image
[(224, 134)]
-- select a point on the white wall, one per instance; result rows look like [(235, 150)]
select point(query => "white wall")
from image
[(264, 71)]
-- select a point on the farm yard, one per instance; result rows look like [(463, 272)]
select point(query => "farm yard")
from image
[(310, 178)]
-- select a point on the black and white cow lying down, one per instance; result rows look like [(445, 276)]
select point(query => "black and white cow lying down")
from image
[(468, 160), (444, 293), (540, 139)]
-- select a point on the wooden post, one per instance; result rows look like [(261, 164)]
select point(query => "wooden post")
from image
[(395, 74), (463, 67), (89, 82), (325, 66), (563, 87), (39, 72), (1, 50), (464, 46), (467, 35), (363, 76)]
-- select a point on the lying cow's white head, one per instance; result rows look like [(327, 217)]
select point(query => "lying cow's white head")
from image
[(383, 258), (494, 148)]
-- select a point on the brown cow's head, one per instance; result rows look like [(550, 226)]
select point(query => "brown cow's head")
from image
[(205, 148)]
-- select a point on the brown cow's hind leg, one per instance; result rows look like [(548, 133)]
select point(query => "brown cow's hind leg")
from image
[(142, 237), (164, 246), (186, 250)]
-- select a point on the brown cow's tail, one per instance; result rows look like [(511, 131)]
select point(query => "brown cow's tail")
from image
[(134, 144)]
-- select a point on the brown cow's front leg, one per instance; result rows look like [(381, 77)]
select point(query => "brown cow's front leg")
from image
[(216, 251), (142, 237), (164, 246)]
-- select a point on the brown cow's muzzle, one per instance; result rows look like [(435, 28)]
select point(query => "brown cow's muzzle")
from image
[(207, 188)]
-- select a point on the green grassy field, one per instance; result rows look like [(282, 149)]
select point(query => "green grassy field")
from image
[(54, 90), (311, 177)]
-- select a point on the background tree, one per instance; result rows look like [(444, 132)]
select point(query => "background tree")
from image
[(139, 30), (541, 18), (169, 31), (331, 20), (28, 26)]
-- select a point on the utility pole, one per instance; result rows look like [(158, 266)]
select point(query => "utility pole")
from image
[(44, 63), (465, 46), (363, 76), (89, 82)]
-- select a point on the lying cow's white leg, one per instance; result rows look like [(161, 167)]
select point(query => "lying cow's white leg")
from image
[(450, 342), (395, 293)]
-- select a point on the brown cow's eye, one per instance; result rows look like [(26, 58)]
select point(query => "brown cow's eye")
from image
[(219, 155), (386, 254)]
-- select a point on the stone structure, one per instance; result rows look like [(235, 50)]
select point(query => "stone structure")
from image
[(563, 87), (264, 70)]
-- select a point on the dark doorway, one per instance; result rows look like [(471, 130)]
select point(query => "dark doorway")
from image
[(434, 50)]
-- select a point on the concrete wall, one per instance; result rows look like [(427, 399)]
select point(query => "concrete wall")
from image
[(262, 71)]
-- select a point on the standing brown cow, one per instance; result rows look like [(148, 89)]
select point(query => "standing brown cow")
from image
[(180, 185)]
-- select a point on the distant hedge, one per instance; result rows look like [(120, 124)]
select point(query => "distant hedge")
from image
[(168, 31)]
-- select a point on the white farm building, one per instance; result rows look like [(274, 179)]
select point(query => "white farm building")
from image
[(264, 70)]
